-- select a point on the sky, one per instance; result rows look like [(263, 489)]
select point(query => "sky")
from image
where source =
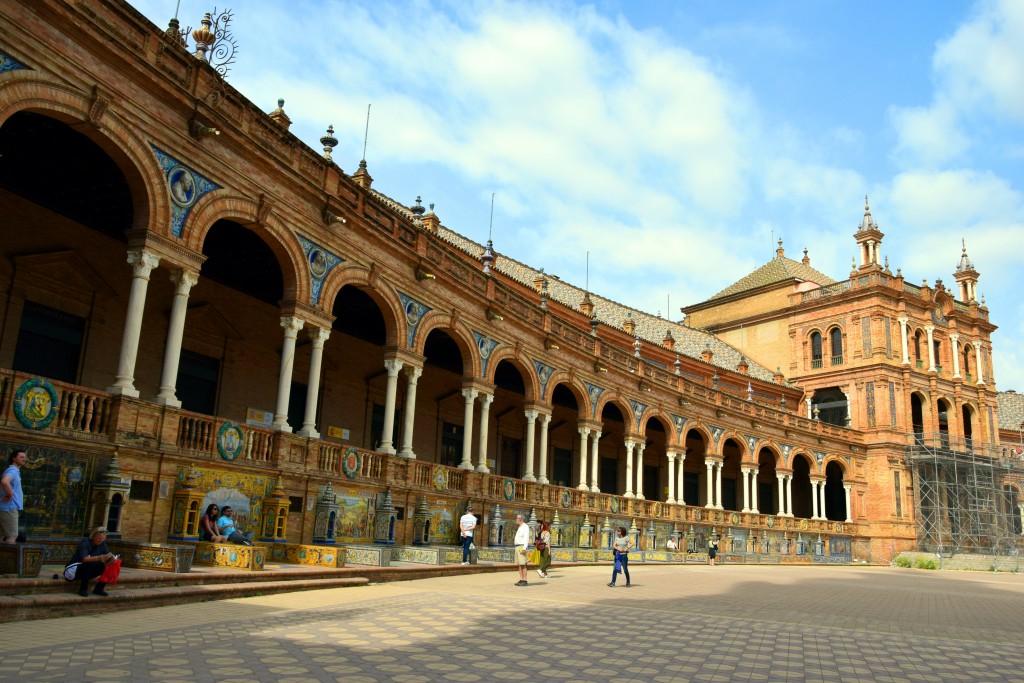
[(673, 140)]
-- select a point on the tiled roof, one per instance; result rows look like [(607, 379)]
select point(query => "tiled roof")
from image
[(779, 269), (1011, 409), (650, 328)]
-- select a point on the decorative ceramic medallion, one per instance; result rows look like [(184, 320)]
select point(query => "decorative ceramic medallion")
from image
[(734, 518), (838, 527), (486, 345), (440, 478), (75, 475), (613, 505), (351, 462), (594, 392), (35, 403), (230, 440), (185, 187), (8, 63), (566, 498), (544, 373), (698, 514), (819, 456), (638, 410), (508, 489), (656, 509), (770, 521), (804, 524), (414, 312), (321, 262), (679, 421)]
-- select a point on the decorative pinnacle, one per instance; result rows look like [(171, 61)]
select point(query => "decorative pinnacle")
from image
[(329, 142)]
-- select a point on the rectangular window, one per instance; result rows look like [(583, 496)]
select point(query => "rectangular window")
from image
[(888, 337), (451, 442), (49, 343), (295, 503), (561, 467), (511, 464), (899, 496), (141, 490), (196, 386), (377, 428)]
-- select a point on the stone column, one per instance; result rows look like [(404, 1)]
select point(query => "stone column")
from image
[(594, 488), (291, 327), (810, 409), (954, 341), (629, 469), (821, 507), (584, 435), (319, 336), (710, 503), (849, 512), (782, 495), (789, 495), (745, 473), (977, 361), (387, 438), (531, 423), (753, 492), (671, 477), (681, 479), (1020, 511), (931, 348), (640, 447), (412, 377), (485, 411), (718, 485), (467, 429), (545, 420), (814, 499), (903, 320), (183, 281), (142, 263)]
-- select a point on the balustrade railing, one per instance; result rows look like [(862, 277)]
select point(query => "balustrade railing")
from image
[(83, 411)]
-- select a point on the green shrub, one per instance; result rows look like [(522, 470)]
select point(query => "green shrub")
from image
[(926, 563), (904, 562)]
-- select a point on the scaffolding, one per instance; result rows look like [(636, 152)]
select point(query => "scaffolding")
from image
[(967, 497)]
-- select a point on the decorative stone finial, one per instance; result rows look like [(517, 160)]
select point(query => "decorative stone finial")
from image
[(278, 115), (780, 252), (806, 260), (204, 37), (329, 142)]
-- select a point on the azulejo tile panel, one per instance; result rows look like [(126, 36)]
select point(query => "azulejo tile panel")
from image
[(307, 555)]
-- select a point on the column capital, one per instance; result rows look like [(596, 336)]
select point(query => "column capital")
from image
[(469, 395), (954, 337), (848, 486), (584, 431), (184, 280), (291, 325), (976, 344), (531, 416), (318, 335), (671, 456), (413, 372), (393, 366), (485, 398), (142, 262), (903, 320), (929, 328), (544, 418)]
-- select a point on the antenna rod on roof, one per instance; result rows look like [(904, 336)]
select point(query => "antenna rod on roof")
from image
[(178, 7), (772, 243), (366, 133), (490, 227), (587, 285)]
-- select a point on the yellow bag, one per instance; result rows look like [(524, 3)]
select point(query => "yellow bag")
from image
[(535, 557)]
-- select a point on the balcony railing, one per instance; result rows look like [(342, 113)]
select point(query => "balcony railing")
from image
[(816, 363), (837, 360)]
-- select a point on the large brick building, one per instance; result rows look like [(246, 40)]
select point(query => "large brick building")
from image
[(189, 286)]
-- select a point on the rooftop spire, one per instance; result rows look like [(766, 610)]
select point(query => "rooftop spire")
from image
[(780, 252)]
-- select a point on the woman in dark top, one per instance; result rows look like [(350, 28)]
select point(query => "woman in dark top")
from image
[(208, 525), (92, 557)]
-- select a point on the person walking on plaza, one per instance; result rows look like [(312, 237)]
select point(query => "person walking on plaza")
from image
[(522, 543), (620, 549), (544, 546), (712, 550), (467, 524), (11, 501)]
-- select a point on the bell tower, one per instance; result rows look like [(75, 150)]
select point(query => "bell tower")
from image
[(966, 277), (869, 239)]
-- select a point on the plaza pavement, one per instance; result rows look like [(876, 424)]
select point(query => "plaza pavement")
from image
[(677, 623)]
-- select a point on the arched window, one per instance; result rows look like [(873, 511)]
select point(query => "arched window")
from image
[(937, 349), (967, 360), (815, 349), (836, 342), (917, 348)]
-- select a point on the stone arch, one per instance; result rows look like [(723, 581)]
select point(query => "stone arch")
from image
[(802, 466), (32, 92), (509, 353), (740, 441), (382, 293), (920, 415), (705, 433), (219, 205), (575, 385), (460, 334), (832, 458), (620, 402), (672, 436)]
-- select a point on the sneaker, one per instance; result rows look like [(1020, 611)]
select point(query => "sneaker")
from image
[(611, 585), (520, 582), (465, 564), (100, 592), (540, 573), (628, 585)]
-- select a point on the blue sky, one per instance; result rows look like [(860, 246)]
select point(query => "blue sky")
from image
[(673, 140)]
